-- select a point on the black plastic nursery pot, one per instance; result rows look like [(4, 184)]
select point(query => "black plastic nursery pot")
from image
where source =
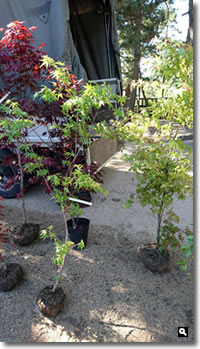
[(154, 259), (79, 232), (51, 303), (10, 276), (25, 234), (86, 196)]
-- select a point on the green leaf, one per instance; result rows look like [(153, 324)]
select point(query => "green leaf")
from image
[(81, 244)]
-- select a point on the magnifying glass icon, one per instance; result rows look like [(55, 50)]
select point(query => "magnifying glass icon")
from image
[(182, 331)]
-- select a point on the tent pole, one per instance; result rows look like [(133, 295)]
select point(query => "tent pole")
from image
[(107, 44)]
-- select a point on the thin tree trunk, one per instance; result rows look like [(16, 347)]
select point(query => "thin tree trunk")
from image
[(160, 215), (60, 271), (21, 184), (132, 98), (127, 91), (190, 29), (136, 66), (145, 98)]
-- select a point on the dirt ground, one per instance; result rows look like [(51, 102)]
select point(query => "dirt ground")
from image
[(110, 295)]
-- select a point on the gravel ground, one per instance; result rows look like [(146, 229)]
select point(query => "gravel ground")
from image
[(110, 295)]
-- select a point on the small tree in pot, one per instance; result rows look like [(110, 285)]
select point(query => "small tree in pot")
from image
[(163, 169), (51, 298), (162, 165), (13, 127)]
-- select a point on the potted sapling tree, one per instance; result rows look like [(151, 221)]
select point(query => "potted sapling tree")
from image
[(13, 128), (162, 167), (51, 298)]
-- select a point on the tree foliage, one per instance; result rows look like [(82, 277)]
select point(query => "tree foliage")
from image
[(173, 73), (162, 167), (20, 69), (139, 22)]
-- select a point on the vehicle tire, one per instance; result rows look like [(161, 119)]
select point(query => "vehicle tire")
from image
[(6, 172)]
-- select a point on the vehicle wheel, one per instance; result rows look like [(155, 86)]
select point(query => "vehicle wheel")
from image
[(7, 171)]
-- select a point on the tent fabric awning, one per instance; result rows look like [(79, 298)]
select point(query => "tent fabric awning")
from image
[(51, 17), (94, 56), (95, 37)]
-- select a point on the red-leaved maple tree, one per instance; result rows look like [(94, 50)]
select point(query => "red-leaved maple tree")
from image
[(20, 68)]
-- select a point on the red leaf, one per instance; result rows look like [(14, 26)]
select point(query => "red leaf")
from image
[(32, 28), (3, 40), (21, 36), (41, 46), (14, 24)]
